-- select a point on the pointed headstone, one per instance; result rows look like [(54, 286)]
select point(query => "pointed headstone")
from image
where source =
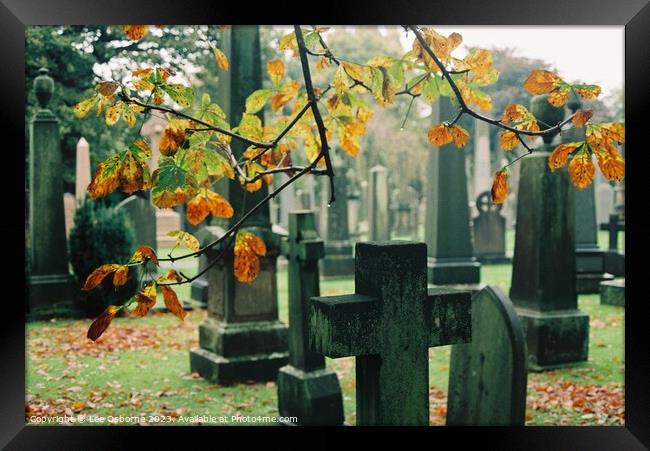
[(82, 172)]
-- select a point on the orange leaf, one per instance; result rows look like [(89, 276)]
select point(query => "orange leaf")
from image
[(508, 140), (146, 299), (582, 169), (541, 81), (171, 302), (172, 138), (96, 277), (558, 97), (581, 117), (560, 154), (101, 323), (135, 32), (220, 58), (143, 252), (460, 135), (514, 113), (500, 187), (247, 262), (207, 202), (439, 135), (275, 69), (611, 163), (121, 276)]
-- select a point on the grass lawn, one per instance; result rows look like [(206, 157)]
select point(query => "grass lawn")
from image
[(140, 368)]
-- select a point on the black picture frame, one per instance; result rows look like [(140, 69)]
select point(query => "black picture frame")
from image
[(634, 15)]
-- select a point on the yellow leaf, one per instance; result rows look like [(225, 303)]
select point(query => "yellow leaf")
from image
[(439, 135), (221, 59), (582, 169), (101, 323), (541, 81), (611, 163), (98, 275), (353, 70), (135, 32), (185, 238), (275, 69), (500, 187), (82, 108), (113, 113), (341, 80), (479, 61), (508, 140), (460, 135), (171, 302), (145, 299), (560, 154), (558, 97)]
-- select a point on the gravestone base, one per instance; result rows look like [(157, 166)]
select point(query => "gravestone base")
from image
[(314, 397), (52, 296), (494, 259), (446, 271), (473, 288), (555, 339), (239, 352), (199, 291), (613, 292), (615, 263), (338, 260), (590, 283)]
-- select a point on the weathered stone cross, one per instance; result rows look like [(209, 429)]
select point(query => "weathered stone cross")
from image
[(388, 325)]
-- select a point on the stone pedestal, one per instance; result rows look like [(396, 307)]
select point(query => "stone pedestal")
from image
[(543, 285), (50, 284), (241, 339), (449, 243)]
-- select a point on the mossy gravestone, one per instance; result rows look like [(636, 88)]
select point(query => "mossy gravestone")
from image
[(487, 377), (489, 231), (241, 339), (306, 389), (543, 285), (389, 325)]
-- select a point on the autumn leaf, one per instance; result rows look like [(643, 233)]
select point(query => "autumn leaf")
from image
[(287, 92), (220, 58), (146, 299), (582, 169), (581, 117), (500, 187), (514, 113), (135, 32), (98, 275), (587, 92), (173, 137), (171, 302), (560, 154), (172, 185), (541, 82), (107, 88), (185, 239), (354, 70), (247, 249), (217, 165), (558, 96), (106, 179), (170, 275), (508, 140), (101, 323), (460, 135), (439, 135), (205, 202), (256, 100), (182, 95), (611, 163), (120, 276), (144, 252), (275, 69), (82, 108)]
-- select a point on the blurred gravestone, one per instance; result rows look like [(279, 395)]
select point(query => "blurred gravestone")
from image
[(82, 172), (489, 231), (604, 202), (141, 217), (614, 258), (69, 205), (487, 377), (339, 260), (482, 177), (378, 229), (612, 292)]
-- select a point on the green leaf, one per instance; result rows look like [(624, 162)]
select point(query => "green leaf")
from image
[(172, 185), (257, 100), (217, 165), (180, 94), (430, 90)]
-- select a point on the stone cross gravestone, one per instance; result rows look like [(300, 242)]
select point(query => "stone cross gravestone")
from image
[(614, 259), (141, 216), (241, 338), (389, 325), (378, 204), (487, 377), (82, 172), (447, 234), (49, 282), (306, 389), (543, 284), (489, 231)]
